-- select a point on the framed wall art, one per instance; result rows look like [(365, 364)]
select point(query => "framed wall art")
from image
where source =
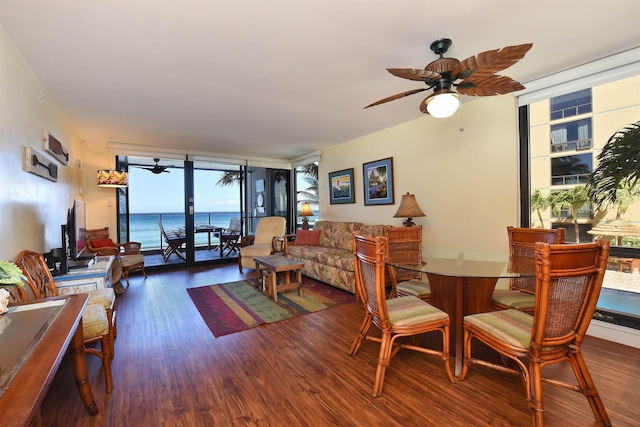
[(378, 182), (341, 187)]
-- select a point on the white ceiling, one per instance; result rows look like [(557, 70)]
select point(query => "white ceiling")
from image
[(281, 78)]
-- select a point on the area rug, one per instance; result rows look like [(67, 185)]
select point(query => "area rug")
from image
[(237, 306)]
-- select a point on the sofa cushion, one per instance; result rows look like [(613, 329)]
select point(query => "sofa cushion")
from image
[(308, 237), (333, 257), (371, 230), (336, 234)]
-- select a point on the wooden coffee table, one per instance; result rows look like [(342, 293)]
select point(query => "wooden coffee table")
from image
[(270, 266)]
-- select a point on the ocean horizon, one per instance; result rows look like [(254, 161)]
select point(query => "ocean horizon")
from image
[(144, 227)]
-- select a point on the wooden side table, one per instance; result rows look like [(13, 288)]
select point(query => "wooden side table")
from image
[(269, 267)]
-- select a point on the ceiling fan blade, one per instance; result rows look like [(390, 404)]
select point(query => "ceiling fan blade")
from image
[(397, 96), (415, 74), (491, 61), (488, 85)]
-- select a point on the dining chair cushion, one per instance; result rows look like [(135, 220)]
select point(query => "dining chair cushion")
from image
[(510, 326), (131, 260), (410, 310), (515, 299), (94, 321), (308, 237), (103, 296), (414, 287)]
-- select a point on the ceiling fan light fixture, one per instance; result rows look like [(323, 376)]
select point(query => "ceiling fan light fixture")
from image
[(443, 103)]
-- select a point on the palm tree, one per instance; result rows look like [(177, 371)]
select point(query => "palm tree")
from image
[(539, 202), (618, 164), (572, 199), (309, 194), (625, 196)]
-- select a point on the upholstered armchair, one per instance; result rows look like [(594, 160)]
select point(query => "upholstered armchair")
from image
[(264, 242)]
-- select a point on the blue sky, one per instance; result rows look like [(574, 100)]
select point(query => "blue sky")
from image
[(149, 193)]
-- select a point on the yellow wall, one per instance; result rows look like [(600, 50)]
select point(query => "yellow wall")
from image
[(469, 197), (31, 208)]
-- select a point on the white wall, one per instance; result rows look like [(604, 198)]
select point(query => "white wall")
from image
[(465, 182), (31, 208)]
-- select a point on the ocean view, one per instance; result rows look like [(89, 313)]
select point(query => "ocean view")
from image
[(144, 228)]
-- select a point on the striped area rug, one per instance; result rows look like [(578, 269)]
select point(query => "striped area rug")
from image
[(237, 306)]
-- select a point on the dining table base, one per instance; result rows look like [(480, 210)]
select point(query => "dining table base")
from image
[(458, 297)]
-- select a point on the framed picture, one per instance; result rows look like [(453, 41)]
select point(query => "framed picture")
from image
[(378, 182), (341, 187)]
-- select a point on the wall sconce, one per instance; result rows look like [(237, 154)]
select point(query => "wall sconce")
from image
[(408, 209), (112, 179), (305, 211)]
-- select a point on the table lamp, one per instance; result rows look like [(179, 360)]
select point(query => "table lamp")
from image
[(408, 209), (305, 211)]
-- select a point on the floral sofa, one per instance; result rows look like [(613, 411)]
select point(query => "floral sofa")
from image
[(327, 251)]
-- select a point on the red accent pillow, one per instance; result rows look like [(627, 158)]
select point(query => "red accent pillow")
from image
[(103, 243), (308, 237)]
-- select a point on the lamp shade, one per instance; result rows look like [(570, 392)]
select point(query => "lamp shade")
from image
[(443, 103), (305, 210), (408, 209), (112, 178)]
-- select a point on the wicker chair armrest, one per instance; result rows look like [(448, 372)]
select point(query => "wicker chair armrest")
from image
[(279, 245), (131, 248)]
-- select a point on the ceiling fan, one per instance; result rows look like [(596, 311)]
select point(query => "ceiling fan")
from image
[(476, 72), (157, 169)]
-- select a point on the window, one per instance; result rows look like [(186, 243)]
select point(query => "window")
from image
[(571, 136), (571, 104), (604, 109), (571, 169)]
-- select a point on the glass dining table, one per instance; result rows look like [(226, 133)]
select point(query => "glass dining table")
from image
[(464, 284)]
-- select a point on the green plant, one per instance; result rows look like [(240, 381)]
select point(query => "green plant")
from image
[(539, 202), (573, 199), (11, 274), (618, 165)]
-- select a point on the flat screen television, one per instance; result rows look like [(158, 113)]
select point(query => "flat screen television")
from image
[(77, 231)]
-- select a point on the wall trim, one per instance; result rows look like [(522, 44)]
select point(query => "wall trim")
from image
[(616, 333)]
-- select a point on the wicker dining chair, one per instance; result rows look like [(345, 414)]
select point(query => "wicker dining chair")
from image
[(98, 323), (129, 254), (405, 316), (521, 292), (568, 283), (404, 246)]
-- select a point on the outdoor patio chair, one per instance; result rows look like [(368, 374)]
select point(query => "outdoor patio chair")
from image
[(521, 292), (230, 237), (175, 242), (568, 283), (405, 316)]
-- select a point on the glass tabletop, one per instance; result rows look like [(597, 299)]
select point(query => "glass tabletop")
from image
[(464, 266), (21, 329)]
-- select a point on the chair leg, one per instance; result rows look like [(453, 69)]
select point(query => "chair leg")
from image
[(106, 362), (467, 355), (588, 387), (383, 361), (534, 390), (362, 333), (240, 263)]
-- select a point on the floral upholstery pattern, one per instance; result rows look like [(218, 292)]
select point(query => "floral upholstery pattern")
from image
[(332, 261)]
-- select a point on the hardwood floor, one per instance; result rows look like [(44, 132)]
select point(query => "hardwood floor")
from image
[(169, 370)]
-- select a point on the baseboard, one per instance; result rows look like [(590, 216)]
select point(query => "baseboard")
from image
[(615, 333)]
